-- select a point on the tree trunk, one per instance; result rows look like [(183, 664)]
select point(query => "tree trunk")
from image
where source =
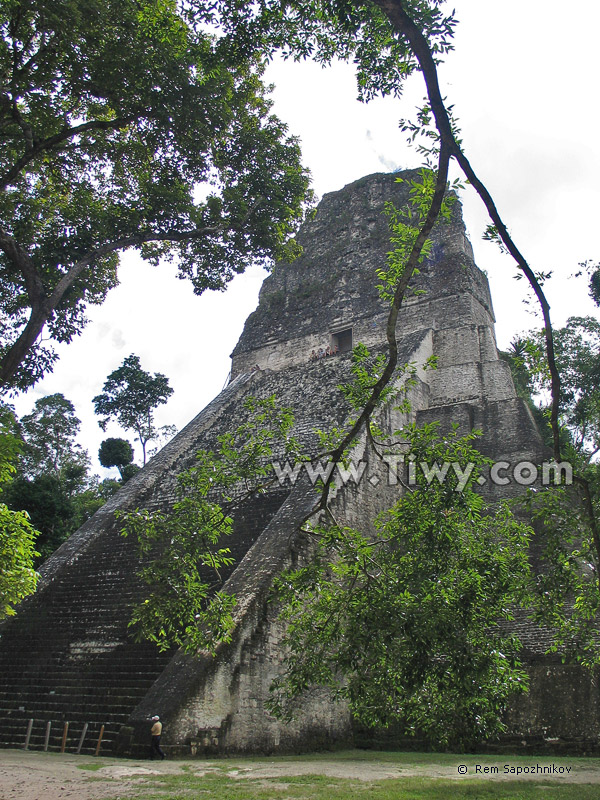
[(18, 351)]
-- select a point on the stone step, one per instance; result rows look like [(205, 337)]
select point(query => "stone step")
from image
[(133, 680), (73, 701), (122, 668), (62, 660), (78, 707), (112, 687), (130, 688), (76, 723), (50, 647)]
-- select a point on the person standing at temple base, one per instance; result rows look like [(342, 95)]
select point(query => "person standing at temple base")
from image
[(156, 733)]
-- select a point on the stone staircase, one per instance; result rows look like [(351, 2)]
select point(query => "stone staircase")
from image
[(104, 694), (68, 655), (70, 658)]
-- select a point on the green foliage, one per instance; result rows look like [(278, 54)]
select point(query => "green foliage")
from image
[(49, 433), (181, 551), (405, 224), (577, 354), (592, 272), (522, 349), (48, 506), (57, 504), (324, 31), (492, 234), (516, 356), (406, 625), (116, 453), (595, 286), (18, 578), (130, 395), (366, 372), (52, 483), (566, 597), (129, 471), (423, 133), (17, 535), (132, 126)]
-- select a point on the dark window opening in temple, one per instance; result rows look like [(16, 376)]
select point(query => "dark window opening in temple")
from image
[(342, 340)]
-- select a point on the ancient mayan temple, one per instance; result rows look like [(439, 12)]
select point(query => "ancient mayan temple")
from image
[(68, 657)]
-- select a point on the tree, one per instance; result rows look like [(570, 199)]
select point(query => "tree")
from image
[(49, 507), (52, 482), (567, 586), (116, 453), (130, 396), (592, 273), (130, 127), (389, 40), (406, 625), (17, 535), (57, 505), (595, 286), (49, 433), (577, 348)]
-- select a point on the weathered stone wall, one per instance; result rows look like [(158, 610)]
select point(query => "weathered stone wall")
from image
[(562, 706), (333, 284)]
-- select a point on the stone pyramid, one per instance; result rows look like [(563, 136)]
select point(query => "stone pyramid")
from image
[(68, 655)]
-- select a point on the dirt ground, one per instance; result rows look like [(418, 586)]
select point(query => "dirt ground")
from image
[(51, 776)]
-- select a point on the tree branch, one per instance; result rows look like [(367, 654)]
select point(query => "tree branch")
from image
[(43, 305), (405, 26), (413, 259), (401, 21), (35, 148), (23, 263), (123, 244)]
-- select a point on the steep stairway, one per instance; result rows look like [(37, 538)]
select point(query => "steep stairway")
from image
[(68, 655), (70, 658)]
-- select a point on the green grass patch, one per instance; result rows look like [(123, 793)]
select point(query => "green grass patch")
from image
[(405, 759), (92, 766), (227, 779), (325, 788), (408, 760)]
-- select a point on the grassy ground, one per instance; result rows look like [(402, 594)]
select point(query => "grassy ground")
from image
[(412, 776), (323, 788)]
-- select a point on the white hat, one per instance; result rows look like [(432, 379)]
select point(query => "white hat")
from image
[(157, 717)]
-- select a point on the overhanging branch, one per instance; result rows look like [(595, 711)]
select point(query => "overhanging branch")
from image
[(404, 25)]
